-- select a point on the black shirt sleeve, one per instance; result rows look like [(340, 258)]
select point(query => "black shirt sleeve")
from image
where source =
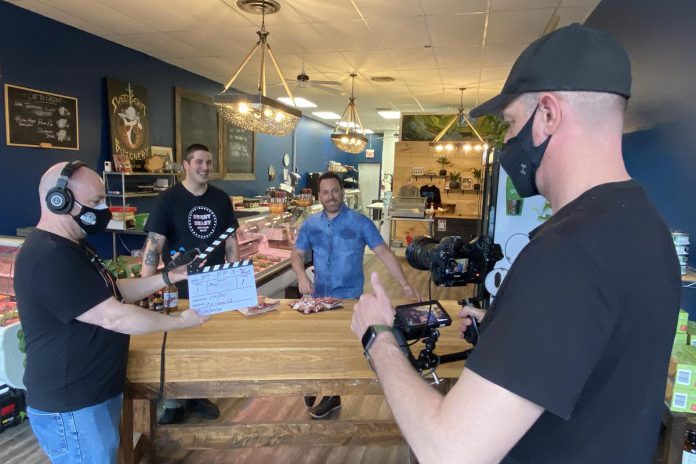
[(159, 219), (68, 284), (548, 326)]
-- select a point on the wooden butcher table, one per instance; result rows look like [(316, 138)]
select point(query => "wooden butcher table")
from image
[(279, 353)]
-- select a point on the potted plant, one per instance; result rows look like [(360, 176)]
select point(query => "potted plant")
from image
[(476, 174), (455, 179), (443, 161)]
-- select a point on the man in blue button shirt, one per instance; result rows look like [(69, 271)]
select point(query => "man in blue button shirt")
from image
[(337, 237)]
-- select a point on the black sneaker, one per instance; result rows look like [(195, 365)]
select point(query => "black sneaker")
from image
[(172, 416), (326, 406), (309, 401), (205, 408)]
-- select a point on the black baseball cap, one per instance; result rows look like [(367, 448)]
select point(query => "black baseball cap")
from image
[(572, 58)]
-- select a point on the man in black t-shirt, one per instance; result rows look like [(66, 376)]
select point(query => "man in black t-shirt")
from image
[(191, 214), (572, 356), (76, 319)]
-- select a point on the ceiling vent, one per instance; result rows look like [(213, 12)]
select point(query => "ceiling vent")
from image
[(382, 79)]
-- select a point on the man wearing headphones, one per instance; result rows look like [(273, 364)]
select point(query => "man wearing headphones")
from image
[(77, 319)]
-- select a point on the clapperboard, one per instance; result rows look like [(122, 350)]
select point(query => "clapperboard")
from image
[(223, 287)]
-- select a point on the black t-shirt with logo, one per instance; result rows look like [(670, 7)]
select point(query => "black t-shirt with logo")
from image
[(583, 325), (432, 193), (191, 221), (70, 364)]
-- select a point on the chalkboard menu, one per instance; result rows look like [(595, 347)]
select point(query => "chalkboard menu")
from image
[(40, 119), (237, 153), (196, 122)]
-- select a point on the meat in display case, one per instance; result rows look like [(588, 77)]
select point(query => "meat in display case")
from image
[(11, 335), (9, 247), (267, 241)]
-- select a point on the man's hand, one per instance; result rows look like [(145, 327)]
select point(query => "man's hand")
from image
[(372, 309), (305, 285), (181, 273), (411, 293), (191, 318), (466, 314)]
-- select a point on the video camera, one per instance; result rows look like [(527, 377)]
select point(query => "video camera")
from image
[(452, 261)]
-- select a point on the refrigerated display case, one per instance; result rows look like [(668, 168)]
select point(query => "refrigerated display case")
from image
[(11, 337)]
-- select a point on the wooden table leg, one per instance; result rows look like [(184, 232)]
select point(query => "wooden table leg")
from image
[(125, 450), (675, 428), (144, 422)]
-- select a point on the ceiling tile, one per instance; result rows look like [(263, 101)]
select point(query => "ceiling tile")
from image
[(523, 26), (451, 7), (456, 30), (218, 42), (394, 33), (397, 60), (494, 73), (64, 17), (376, 9), (297, 38), (347, 35), (573, 15), (178, 15), (592, 4), (159, 44), (103, 16), (451, 57), (333, 64), (501, 54), (497, 5), (459, 77), (334, 10)]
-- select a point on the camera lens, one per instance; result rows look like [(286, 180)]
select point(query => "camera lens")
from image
[(418, 252)]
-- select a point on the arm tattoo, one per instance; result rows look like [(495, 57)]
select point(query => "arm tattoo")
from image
[(152, 245)]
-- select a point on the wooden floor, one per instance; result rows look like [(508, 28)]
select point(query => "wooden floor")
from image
[(18, 445)]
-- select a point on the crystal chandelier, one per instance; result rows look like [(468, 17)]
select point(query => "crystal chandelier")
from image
[(259, 113), (462, 146), (350, 139)]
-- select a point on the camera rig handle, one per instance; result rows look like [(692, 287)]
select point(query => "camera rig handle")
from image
[(471, 334)]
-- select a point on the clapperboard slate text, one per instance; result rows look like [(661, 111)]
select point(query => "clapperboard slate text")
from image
[(220, 288)]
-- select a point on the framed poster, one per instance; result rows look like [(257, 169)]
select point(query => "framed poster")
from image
[(238, 152), (159, 160), (128, 122), (197, 121), (34, 118)]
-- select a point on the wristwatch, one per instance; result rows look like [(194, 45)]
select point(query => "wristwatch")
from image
[(370, 336)]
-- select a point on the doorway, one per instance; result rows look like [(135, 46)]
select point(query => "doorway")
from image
[(369, 183)]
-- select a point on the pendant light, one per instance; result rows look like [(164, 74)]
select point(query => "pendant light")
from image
[(460, 146), (348, 135), (259, 113)]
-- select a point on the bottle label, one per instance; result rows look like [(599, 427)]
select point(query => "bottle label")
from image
[(171, 299), (688, 458)]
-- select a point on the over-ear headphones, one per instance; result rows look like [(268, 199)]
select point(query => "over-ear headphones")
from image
[(60, 198)]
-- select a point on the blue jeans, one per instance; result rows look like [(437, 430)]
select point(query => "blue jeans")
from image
[(85, 436)]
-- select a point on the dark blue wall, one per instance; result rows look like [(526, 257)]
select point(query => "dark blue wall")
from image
[(47, 55), (660, 145)]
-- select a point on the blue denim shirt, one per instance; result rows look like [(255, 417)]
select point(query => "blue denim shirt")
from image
[(338, 247)]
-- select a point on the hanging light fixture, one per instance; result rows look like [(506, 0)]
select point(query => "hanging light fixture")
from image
[(259, 113), (348, 135), (461, 146)]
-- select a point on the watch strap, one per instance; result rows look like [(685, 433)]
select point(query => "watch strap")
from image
[(371, 333), (165, 277)]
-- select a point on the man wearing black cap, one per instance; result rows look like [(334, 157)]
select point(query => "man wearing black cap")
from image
[(571, 361)]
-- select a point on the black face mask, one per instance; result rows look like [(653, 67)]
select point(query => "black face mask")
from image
[(92, 220), (521, 159)]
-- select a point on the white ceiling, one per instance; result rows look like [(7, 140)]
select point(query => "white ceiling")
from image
[(431, 47)]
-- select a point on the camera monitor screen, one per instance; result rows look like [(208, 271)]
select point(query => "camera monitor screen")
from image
[(419, 316)]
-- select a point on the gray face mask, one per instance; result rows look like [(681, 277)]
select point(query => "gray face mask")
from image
[(521, 159), (92, 220)]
